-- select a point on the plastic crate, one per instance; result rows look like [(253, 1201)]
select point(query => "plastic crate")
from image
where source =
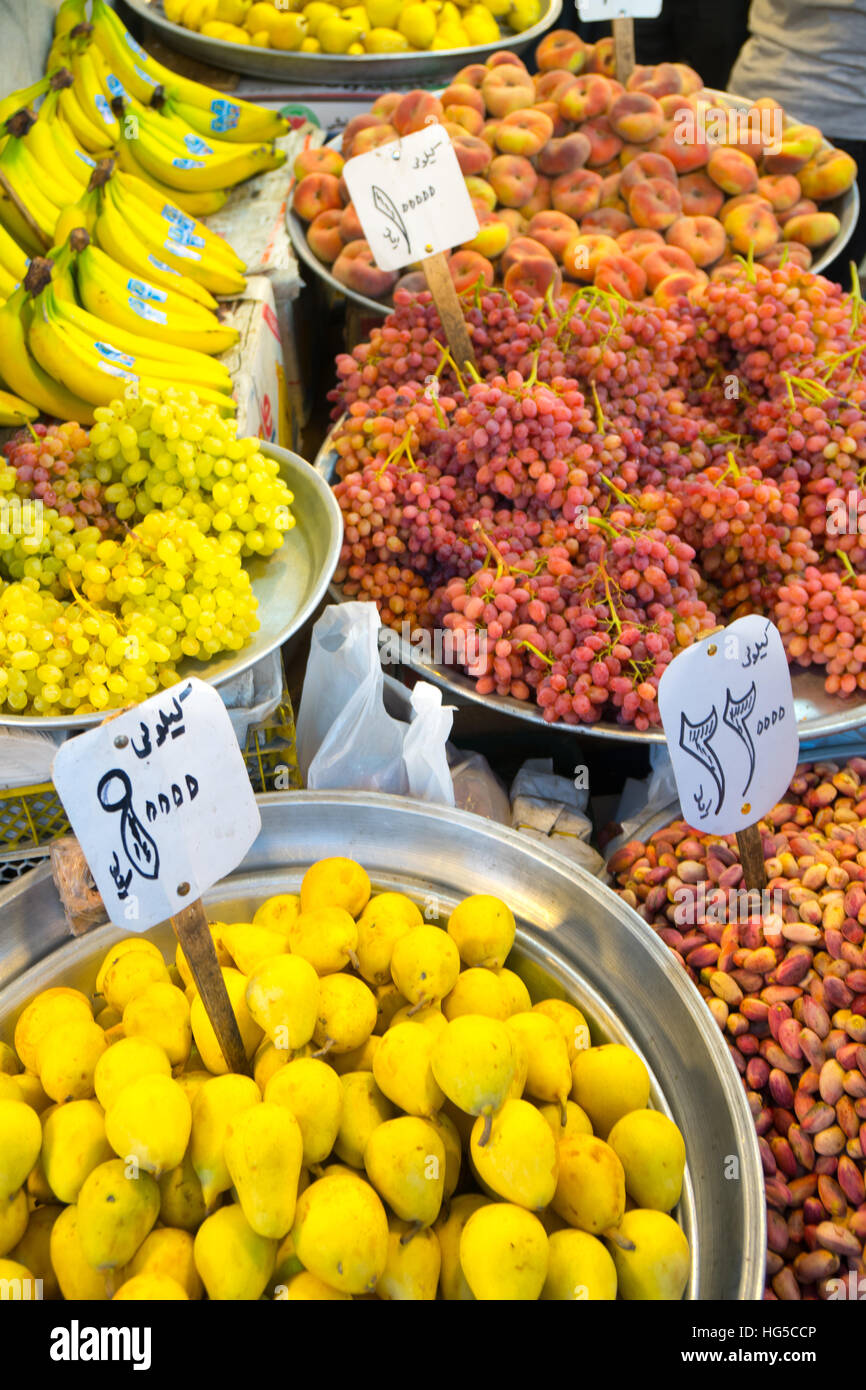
[(31, 817)]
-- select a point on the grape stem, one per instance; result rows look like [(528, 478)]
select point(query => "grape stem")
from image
[(540, 655)]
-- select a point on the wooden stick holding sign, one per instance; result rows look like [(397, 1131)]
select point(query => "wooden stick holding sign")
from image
[(413, 205), (162, 807), (623, 49), (447, 301), (727, 708)]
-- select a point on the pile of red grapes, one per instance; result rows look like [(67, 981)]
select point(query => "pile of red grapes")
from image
[(611, 481), (53, 465)]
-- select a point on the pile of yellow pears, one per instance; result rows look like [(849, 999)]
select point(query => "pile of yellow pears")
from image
[(357, 26), (413, 1126)]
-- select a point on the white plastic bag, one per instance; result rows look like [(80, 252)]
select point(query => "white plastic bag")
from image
[(346, 739)]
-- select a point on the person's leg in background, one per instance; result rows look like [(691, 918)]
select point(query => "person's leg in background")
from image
[(703, 33)]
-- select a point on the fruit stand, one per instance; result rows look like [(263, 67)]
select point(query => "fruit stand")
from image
[(477, 1013)]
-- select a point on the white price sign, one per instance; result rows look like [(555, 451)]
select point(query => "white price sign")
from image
[(590, 10), (411, 198), (728, 714), (160, 801)]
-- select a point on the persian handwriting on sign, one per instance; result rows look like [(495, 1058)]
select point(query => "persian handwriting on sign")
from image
[(757, 651), (163, 726), (427, 157)]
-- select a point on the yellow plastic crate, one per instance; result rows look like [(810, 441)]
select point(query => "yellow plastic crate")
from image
[(31, 817)]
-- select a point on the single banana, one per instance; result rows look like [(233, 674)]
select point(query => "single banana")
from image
[(86, 132), (205, 173), (24, 375), (194, 204), (94, 102), (170, 212), (24, 180), (70, 14), (101, 297), (181, 231), (121, 243), (176, 306), (76, 161), (231, 118), (14, 411), (13, 260), (215, 275)]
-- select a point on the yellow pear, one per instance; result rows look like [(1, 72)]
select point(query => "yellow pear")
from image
[(652, 1152), (161, 1012), (234, 1262), (250, 944), (278, 912), (129, 974), (13, 1220), (425, 964), (115, 1213), (263, 1153), (341, 1233), (202, 1028), (168, 1253), (482, 927), (217, 1103), (570, 1022), (516, 992), (608, 1082), (449, 1229), (579, 1268), (411, 1273), (282, 996), (346, 1014), (335, 883), (42, 1016), (313, 1093), (364, 1109), (402, 1069), (518, 1162), (150, 1122), (590, 1188), (658, 1267), (78, 1280), (130, 943), (477, 991), (20, 1143), (548, 1075), (181, 1200), (473, 1062), (306, 1288), (127, 1061), (405, 1162), (74, 1142), (324, 936), (34, 1248), (387, 916), (504, 1253), (150, 1288)]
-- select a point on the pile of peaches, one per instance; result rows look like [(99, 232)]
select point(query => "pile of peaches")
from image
[(640, 190)]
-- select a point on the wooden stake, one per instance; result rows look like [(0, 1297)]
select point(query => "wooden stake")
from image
[(445, 298), (623, 45), (192, 931), (751, 849)]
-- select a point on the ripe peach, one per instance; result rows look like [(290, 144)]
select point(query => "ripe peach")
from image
[(565, 155), (602, 58), (752, 225), (675, 103), (535, 275), (686, 149), (604, 142), (827, 175), (507, 89), (550, 85), (683, 284), (733, 171), (463, 94), (800, 208), (492, 237), (480, 190), (523, 247), (551, 109), (415, 111), (473, 75), (701, 197), (639, 242), (655, 203), (800, 143), (664, 261), (356, 268), (316, 193), (363, 121), (691, 80), (504, 56), (488, 133), (636, 117), (323, 235), (583, 254), (324, 159), (467, 268), (386, 104), (611, 192), (554, 230), (577, 193), (621, 275), (372, 138), (611, 221), (473, 154), (781, 191), (646, 166), (561, 49), (703, 238), (466, 117), (739, 201), (515, 219), (812, 229), (540, 201), (787, 253), (513, 177), (350, 224), (586, 97), (660, 81), (524, 132)]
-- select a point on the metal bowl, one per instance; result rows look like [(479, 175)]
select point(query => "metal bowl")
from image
[(379, 69), (288, 585), (846, 208), (819, 715), (576, 939)]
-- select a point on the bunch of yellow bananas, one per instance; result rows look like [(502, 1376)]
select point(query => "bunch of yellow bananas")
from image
[(112, 172)]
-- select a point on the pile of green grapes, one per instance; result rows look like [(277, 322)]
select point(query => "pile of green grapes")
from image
[(94, 617)]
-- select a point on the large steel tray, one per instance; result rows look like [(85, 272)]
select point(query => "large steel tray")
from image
[(575, 938)]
